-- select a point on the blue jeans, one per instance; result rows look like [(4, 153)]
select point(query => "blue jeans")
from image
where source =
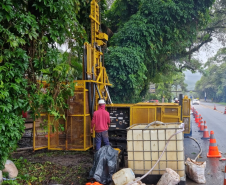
[(101, 136)]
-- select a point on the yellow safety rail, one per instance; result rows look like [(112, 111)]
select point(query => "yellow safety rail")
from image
[(186, 104), (40, 132)]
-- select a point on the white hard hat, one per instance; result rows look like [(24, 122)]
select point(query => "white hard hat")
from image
[(101, 101), (176, 99)]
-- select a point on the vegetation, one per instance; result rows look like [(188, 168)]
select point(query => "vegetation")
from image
[(29, 34), (40, 168), (165, 85), (150, 37), (213, 82)]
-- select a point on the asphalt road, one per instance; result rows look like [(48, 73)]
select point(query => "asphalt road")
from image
[(216, 121)]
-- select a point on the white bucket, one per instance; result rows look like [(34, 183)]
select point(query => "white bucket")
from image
[(123, 176)]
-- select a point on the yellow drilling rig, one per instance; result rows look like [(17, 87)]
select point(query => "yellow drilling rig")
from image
[(76, 135)]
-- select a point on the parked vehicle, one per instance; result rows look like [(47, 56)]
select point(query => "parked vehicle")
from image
[(195, 101), (153, 101)]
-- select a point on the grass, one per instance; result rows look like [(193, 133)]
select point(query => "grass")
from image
[(47, 172), (222, 103)]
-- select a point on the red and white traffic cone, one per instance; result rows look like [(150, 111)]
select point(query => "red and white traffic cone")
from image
[(213, 148), (200, 120), (225, 110), (202, 126), (196, 117), (206, 134), (214, 107)]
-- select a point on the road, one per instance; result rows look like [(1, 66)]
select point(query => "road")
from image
[(216, 121)]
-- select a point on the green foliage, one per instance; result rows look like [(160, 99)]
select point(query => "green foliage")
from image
[(129, 71), (167, 83), (29, 34), (149, 37), (13, 99), (213, 82)]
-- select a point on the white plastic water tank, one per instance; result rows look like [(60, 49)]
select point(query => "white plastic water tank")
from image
[(144, 147)]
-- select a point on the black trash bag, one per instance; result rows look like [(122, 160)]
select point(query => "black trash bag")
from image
[(105, 164)]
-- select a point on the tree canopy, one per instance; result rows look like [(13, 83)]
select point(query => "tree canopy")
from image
[(149, 38), (213, 82), (165, 84)]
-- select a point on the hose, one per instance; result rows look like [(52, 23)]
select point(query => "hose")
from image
[(139, 179), (199, 147), (152, 123)]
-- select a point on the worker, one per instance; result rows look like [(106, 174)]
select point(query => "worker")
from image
[(101, 122), (176, 100)]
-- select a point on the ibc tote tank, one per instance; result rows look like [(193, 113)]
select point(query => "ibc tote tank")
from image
[(145, 145)]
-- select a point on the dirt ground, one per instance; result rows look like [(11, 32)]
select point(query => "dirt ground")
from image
[(46, 167), (52, 167)]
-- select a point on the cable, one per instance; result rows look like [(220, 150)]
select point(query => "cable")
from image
[(199, 147), (152, 123), (130, 183)]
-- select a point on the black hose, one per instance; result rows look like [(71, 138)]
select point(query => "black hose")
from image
[(199, 147)]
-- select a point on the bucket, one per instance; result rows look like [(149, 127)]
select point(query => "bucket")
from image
[(123, 176)]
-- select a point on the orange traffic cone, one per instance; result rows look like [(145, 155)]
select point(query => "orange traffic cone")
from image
[(205, 132), (197, 118), (200, 120), (93, 183), (225, 110), (213, 149), (202, 126), (214, 108)]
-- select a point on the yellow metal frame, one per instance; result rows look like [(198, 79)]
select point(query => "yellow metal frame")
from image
[(39, 148), (154, 106), (49, 125), (135, 107), (81, 84), (188, 116)]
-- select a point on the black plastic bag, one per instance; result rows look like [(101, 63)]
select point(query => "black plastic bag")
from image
[(105, 164)]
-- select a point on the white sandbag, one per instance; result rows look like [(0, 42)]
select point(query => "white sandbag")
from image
[(11, 169), (196, 170), (1, 177), (170, 177)]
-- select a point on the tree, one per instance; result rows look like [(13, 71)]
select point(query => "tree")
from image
[(213, 82), (149, 38), (29, 34), (165, 85)]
